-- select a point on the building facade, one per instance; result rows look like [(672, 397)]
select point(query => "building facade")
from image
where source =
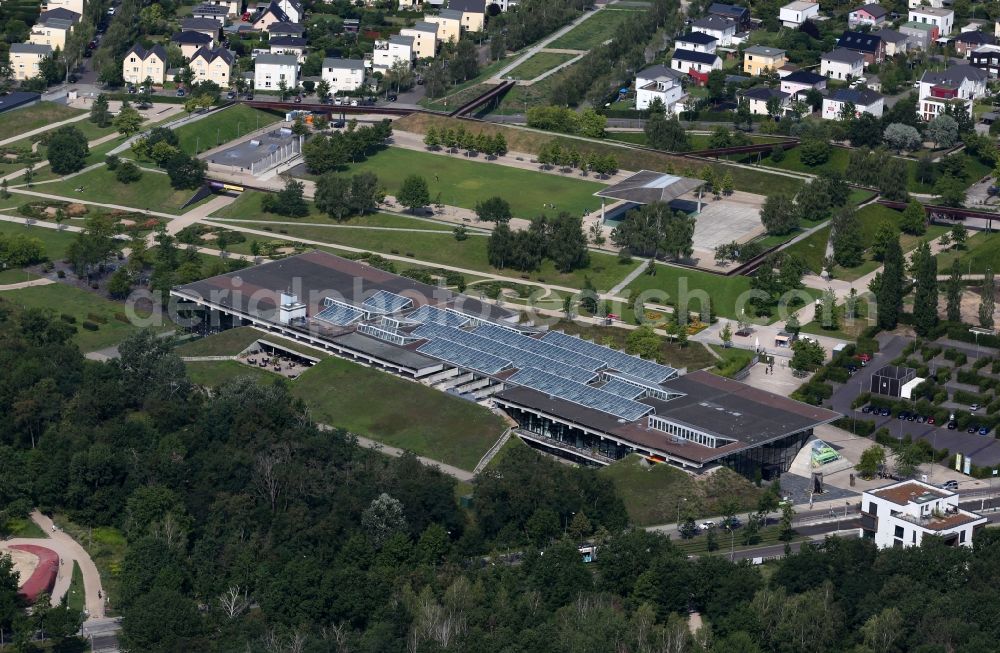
[(26, 59), (272, 69), (903, 514), (344, 75), (758, 59), (140, 63)]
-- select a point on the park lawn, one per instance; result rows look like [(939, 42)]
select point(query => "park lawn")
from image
[(152, 191), (845, 330), (723, 291), (441, 248), (981, 251), (812, 249), (15, 275), (54, 241), (226, 343), (399, 413), (592, 32), (34, 117), (792, 161), (464, 183), (222, 126), (248, 207), (733, 360), (64, 299), (24, 527), (539, 63), (653, 493), (212, 374), (76, 596)]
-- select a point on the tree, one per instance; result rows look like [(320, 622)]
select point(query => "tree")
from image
[(943, 131), (566, 243), (495, 209), (914, 219), (902, 137), (185, 172), (726, 335), (827, 315), (323, 89), (664, 134), (688, 529), (885, 234), (785, 531), (128, 121), (465, 64), (865, 131), (127, 172), (655, 229), (814, 152), (288, 202), (431, 139), (953, 291), (950, 191), (881, 630), (382, 519), (333, 196), (779, 214), (987, 300), (872, 460), (99, 113), (807, 355), (413, 194), (847, 239), (67, 150), (959, 234), (888, 287)]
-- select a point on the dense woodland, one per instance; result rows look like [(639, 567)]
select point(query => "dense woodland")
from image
[(249, 529)]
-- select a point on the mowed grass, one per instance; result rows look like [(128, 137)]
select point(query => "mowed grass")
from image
[(54, 241), (539, 63), (672, 283), (212, 374), (812, 249), (397, 412), (34, 117), (981, 252), (227, 343), (463, 183), (76, 597), (63, 299), (696, 141), (595, 30), (151, 192), (222, 126)]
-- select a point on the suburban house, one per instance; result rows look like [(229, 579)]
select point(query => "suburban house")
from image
[(449, 25), (987, 58), (863, 100), (873, 14), (842, 64), (288, 45), (895, 42), (212, 66), (424, 36), (920, 36), (902, 514), (232, 7), (795, 13), (739, 15), (26, 59), (758, 59), (292, 9), (869, 45), (659, 82), (141, 63), (76, 6), (271, 69), (215, 12), (205, 26), (966, 42), (943, 19), (387, 53), (696, 42), (757, 98), (285, 29), (270, 16), (343, 75), (53, 27), (959, 84), (473, 13), (802, 81), (936, 4), (723, 29), (689, 61), (191, 42)]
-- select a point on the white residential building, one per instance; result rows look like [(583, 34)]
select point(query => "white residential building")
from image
[(864, 101), (961, 84), (701, 62), (387, 53), (76, 6), (26, 59), (723, 29), (424, 36), (902, 514), (872, 14), (344, 75), (795, 13), (697, 42), (757, 99), (943, 19), (659, 82), (936, 4), (802, 81), (292, 9), (271, 69), (842, 64)]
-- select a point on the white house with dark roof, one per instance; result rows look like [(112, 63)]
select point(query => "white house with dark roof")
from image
[(795, 13), (959, 84), (26, 59), (802, 81), (207, 26), (273, 14), (986, 58), (52, 28), (343, 75), (659, 82), (271, 69), (215, 12), (757, 99), (842, 64), (293, 9), (873, 15), (285, 29), (723, 29), (701, 62), (966, 42), (738, 14), (870, 45), (396, 48), (864, 101), (697, 42), (288, 45), (902, 514), (473, 14)]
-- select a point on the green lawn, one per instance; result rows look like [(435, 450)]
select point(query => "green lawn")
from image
[(24, 527), (733, 360), (212, 374), (673, 281), (697, 141), (418, 418), (227, 343), (34, 117), (812, 249), (222, 126), (593, 31), (15, 275), (76, 597), (55, 241), (442, 248), (464, 183), (539, 63), (982, 251), (68, 300), (152, 191)]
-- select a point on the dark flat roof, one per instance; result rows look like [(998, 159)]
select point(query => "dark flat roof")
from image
[(700, 38), (698, 57), (803, 77), (385, 351), (17, 99)]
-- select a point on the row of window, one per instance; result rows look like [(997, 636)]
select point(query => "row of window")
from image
[(691, 435)]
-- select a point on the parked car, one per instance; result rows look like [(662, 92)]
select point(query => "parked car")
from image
[(248, 96), (974, 407), (952, 425), (354, 103), (706, 525), (903, 415), (930, 420), (920, 419), (231, 95), (111, 11), (180, 92), (393, 97), (731, 523), (298, 99), (885, 412), (950, 485), (339, 124), (910, 417), (984, 430), (866, 409), (972, 429)]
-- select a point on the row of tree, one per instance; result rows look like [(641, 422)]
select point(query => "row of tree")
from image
[(492, 145), (560, 239), (329, 151)]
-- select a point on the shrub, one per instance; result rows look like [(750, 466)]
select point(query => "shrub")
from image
[(127, 172), (90, 326), (99, 319), (65, 317), (121, 317), (61, 274), (111, 161)]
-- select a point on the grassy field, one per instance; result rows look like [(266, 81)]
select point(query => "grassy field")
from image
[(697, 141), (464, 183), (525, 140), (654, 493), (55, 242), (24, 527), (595, 30), (212, 374), (227, 343), (812, 249), (418, 418), (671, 280), (68, 300), (222, 126), (442, 248), (981, 251), (15, 275), (733, 360), (76, 597), (34, 117), (152, 191), (539, 63)]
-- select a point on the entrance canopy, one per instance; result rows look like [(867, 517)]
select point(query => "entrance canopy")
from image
[(648, 186)]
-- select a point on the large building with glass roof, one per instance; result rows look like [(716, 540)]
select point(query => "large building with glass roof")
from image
[(569, 396)]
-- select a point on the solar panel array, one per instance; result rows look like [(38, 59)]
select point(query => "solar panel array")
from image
[(429, 314), (538, 347), (614, 359), (581, 394), (384, 301), (623, 389), (464, 356), (389, 335), (339, 314), (519, 358)]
